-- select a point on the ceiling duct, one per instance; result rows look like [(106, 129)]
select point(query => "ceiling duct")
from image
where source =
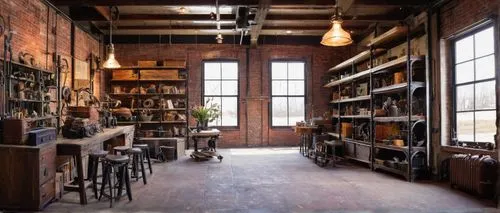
[(242, 18)]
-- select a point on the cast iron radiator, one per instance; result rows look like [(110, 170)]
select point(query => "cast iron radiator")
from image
[(476, 174)]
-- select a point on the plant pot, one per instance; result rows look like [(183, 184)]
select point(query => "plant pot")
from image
[(202, 125)]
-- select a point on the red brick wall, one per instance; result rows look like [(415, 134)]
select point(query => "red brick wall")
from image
[(37, 27), (459, 14), (255, 130)]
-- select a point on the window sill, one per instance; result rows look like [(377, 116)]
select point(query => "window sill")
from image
[(464, 150), (225, 128), (283, 128)]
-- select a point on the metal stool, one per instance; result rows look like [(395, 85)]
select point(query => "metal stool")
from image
[(163, 150), (120, 149), (93, 166), (115, 164), (137, 159), (145, 150)]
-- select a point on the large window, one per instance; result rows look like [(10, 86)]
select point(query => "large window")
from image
[(474, 77), (287, 93), (220, 85)]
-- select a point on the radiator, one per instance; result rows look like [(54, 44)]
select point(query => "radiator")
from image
[(476, 174)]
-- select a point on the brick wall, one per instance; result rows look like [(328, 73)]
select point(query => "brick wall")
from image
[(459, 14), (254, 128), (41, 32)]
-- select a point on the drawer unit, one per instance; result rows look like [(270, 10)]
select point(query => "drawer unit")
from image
[(29, 184)]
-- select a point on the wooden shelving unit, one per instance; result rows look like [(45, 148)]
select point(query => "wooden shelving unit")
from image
[(347, 102), (159, 125), (41, 81)]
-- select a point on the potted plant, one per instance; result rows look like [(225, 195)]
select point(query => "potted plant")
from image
[(205, 114)]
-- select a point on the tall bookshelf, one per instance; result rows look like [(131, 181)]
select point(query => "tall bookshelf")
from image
[(386, 134), (170, 99)]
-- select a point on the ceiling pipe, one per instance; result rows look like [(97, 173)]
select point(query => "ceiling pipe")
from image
[(219, 37)]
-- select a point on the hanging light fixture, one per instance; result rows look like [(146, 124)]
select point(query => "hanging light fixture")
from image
[(219, 37), (111, 61), (336, 36)]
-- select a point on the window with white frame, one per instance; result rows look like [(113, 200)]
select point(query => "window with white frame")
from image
[(287, 93), (474, 86), (220, 86)]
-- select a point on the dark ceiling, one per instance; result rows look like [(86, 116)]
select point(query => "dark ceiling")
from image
[(272, 21)]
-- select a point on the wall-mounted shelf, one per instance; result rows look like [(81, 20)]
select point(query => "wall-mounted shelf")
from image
[(363, 56), (356, 116), (396, 33), (401, 61), (346, 100), (398, 88), (398, 119)]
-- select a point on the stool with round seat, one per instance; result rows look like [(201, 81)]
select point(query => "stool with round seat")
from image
[(115, 164), (94, 158), (120, 149), (137, 160), (145, 151)]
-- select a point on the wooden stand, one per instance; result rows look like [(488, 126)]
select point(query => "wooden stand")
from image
[(208, 152)]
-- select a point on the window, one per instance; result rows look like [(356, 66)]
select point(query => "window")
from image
[(220, 86), (474, 86), (287, 93)]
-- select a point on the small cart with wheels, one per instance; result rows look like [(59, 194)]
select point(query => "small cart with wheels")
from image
[(211, 150)]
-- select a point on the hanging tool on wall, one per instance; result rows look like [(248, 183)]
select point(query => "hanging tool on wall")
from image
[(7, 32)]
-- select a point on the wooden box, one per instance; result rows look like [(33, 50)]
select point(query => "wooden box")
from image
[(28, 180), (124, 75), (146, 63), (15, 132), (159, 74), (346, 130), (175, 63), (85, 112)]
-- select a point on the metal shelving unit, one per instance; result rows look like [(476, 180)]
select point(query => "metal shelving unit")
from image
[(408, 167)]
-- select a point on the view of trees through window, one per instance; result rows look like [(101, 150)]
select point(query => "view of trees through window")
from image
[(475, 97), (288, 93)]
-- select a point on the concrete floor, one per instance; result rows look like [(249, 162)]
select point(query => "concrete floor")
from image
[(276, 180)]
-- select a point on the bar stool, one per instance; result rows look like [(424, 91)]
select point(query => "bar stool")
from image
[(120, 149), (163, 152), (145, 151), (93, 166), (119, 164), (137, 159)]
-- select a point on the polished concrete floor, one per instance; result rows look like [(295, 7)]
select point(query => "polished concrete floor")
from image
[(276, 180)]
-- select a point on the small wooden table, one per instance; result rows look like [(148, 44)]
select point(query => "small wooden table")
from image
[(207, 152), (306, 138), (80, 148)]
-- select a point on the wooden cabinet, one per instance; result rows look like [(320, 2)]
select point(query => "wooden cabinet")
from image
[(27, 178)]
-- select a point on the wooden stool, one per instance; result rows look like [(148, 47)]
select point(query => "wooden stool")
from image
[(93, 166), (119, 164), (163, 150), (145, 151), (137, 159), (120, 149)]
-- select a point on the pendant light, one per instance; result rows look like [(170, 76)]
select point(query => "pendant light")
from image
[(111, 61), (336, 36)]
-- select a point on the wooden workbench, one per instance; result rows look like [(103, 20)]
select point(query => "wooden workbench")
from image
[(80, 149)]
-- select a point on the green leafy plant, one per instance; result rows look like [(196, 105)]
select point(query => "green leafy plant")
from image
[(207, 113)]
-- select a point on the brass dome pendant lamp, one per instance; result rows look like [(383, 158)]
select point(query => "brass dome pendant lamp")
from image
[(336, 36), (111, 61)]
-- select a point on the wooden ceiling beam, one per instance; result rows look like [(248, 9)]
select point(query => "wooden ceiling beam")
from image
[(173, 17), (91, 3), (104, 11), (401, 3), (260, 17)]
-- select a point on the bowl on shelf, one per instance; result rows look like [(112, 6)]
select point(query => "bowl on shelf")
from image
[(146, 117)]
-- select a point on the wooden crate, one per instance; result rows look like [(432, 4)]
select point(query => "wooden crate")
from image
[(147, 63), (15, 131), (174, 63), (124, 75), (159, 74)]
